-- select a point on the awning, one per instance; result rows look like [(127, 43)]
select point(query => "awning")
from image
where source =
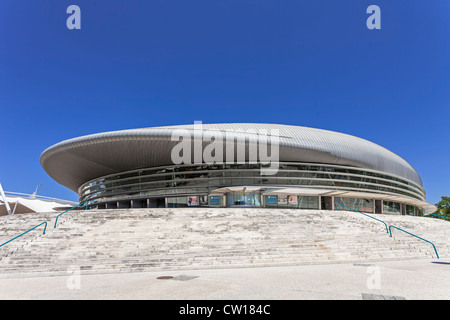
[(425, 206)]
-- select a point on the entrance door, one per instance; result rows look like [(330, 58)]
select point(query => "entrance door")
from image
[(378, 206), (243, 199), (160, 202), (326, 203)]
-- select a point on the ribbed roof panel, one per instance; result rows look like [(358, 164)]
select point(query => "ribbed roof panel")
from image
[(75, 161)]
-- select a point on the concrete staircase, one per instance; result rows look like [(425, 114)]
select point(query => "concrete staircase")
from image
[(132, 240)]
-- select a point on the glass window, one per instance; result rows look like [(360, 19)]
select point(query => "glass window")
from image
[(363, 205), (209, 177), (178, 202), (308, 202), (409, 210), (390, 207), (243, 199)]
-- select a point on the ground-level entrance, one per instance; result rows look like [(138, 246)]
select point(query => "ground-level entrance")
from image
[(243, 200), (265, 197), (326, 203)]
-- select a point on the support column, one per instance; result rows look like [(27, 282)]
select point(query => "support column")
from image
[(5, 201)]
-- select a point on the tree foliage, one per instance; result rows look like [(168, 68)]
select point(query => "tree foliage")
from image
[(444, 206)]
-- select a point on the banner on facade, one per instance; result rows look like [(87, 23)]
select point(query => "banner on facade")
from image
[(292, 199), (192, 201), (282, 199)]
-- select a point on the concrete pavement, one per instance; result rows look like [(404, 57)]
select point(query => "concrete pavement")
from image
[(407, 279)]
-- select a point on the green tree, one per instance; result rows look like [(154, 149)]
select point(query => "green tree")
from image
[(444, 206)]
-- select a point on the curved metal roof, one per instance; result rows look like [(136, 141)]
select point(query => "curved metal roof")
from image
[(75, 161)]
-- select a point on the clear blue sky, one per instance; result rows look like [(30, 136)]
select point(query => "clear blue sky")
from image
[(148, 63)]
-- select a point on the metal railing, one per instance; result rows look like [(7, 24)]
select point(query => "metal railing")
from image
[(391, 226), (390, 233), (57, 217), (385, 224), (438, 216), (45, 228)]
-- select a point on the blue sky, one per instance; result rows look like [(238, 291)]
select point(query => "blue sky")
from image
[(148, 63)]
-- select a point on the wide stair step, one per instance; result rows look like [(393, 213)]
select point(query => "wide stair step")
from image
[(127, 240)]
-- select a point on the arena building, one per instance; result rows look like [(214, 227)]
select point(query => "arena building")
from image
[(223, 165)]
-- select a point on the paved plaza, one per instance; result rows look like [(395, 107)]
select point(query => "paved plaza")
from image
[(409, 279)]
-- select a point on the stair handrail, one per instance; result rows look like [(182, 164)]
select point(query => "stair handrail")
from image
[(56, 220), (438, 216), (45, 228), (385, 224), (390, 233)]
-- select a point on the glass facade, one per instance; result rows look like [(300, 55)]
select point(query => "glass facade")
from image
[(409, 210), (390, 207), (192, 185), (243, 199), (291, 202), (363, 205), (177, 202), (188, 180)]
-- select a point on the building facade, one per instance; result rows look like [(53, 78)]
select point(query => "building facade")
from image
[(236, 165)]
